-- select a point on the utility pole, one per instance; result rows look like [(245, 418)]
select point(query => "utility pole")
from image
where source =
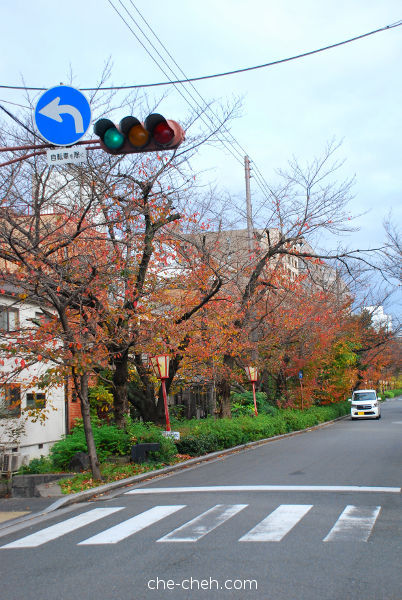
[(250, 239), (248, 204)]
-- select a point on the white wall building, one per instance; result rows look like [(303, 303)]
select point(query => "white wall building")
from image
[(26, 437)]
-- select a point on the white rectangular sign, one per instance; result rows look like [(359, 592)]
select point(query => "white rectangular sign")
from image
[(175, 435), (63, 156)]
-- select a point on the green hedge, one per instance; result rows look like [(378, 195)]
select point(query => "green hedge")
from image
[(110, 440), (198, 437), (209, 435), (391, 394)]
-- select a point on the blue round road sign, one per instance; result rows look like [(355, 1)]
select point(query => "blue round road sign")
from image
[(62, 115)]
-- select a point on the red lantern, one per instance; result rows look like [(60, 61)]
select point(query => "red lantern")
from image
[(252, 374)]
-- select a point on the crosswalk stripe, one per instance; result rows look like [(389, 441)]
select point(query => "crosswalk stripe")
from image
[(354, 524), (277, 524), (208, 521), (126, 528), (55, 531)]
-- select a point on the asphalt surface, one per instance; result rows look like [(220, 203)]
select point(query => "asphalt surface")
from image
[(327, 525)]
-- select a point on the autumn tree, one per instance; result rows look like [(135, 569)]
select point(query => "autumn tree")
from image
[(307, 201), (92, 243)]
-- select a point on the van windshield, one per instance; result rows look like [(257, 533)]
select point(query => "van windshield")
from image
[(358, 396)]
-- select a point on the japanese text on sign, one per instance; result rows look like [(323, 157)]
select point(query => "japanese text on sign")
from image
[(65, 156)]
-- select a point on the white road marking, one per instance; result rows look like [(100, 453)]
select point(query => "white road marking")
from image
[(277, 524), (126, 528), (55, 531), (203, 524), (265, 488), (354, 524)]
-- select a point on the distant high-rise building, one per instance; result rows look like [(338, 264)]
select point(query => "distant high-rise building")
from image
[(379, 319)]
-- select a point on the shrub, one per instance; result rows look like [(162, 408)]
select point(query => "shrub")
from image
[(391, 394), (198, 436), (196, 445), (38, 466), (243, 404), (201, 437), (110, 440), (257, 428)]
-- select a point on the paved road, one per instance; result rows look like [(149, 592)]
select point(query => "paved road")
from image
[(314, 516)]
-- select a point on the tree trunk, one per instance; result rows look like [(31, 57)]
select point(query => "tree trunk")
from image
[(223, 389), (93, 457), (144, 401), (282, 388), (120, 391)]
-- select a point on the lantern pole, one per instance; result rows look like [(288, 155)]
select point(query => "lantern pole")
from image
[(163, 383), (252, 374), (254, 398)]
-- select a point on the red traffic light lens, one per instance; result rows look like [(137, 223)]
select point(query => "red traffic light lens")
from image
[(163, 133)]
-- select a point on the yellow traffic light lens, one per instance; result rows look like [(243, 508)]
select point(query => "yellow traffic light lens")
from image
[(138, 136)]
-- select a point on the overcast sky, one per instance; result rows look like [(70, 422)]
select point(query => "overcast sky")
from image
[(352, 93)]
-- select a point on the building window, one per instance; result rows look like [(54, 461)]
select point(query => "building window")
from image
[(10, 400), (36, 400), (9, 318)]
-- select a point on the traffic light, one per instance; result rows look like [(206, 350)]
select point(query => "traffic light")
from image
[(156, 133)]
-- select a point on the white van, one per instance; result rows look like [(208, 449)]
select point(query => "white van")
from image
[(365, 405)]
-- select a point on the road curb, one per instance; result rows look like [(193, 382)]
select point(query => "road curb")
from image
[(108, 487)]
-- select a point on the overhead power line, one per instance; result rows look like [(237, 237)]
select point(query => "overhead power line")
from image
[(17, 120), (169, 72), (225, 136), (225, 73)]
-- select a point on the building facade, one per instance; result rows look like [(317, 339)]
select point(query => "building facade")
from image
[(32, 418)]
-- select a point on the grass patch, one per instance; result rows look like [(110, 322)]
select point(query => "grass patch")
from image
[(84, 481)]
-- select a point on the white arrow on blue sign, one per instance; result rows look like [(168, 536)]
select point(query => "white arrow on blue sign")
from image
[(62, 115)]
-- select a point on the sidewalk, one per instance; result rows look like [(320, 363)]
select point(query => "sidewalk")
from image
[(15, 508)]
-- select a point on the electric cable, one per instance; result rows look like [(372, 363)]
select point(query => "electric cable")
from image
[(205, 104), (259, 178), (261, 183), (16, 119), (201, 115), (225, 73)]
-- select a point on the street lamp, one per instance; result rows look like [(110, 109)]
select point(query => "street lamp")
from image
[(160, 366), (252, 374)]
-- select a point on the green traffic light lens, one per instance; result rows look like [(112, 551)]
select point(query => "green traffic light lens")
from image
[(113, 139)]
